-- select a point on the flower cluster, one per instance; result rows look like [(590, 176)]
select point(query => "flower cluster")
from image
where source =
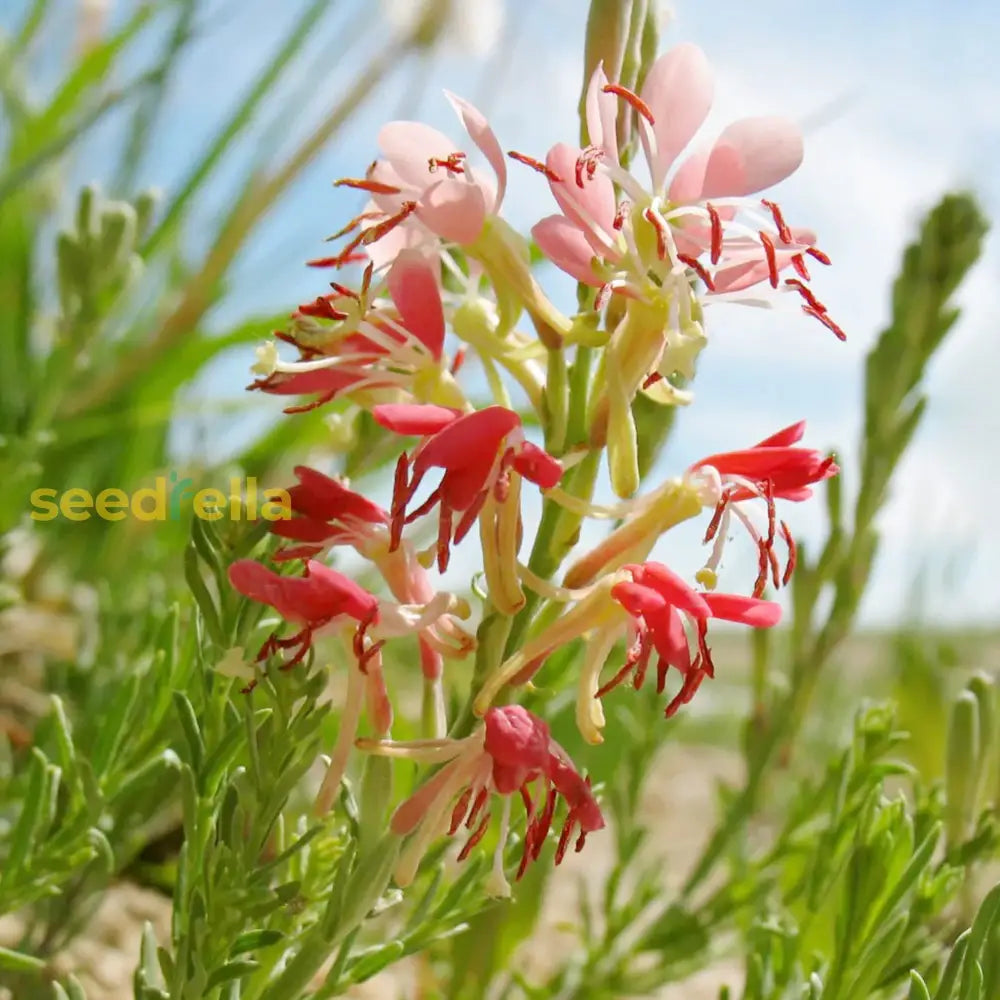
[(445, 284)]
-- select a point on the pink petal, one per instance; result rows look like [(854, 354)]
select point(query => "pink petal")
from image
[(744, 610), (563, 243), (410, 146), (685, 188), (751, 155), (602, 114), (482, 135), (414, 290), (419, 419), (678, 90), (411, 811), (592, 207), (454, 209)]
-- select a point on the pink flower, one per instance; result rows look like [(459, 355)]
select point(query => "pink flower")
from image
[(351, 342), (425, 185), (477, 453), (696, 217), (511, 752), (773, 469)]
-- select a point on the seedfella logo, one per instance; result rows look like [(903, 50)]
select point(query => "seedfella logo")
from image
[(164, 501)]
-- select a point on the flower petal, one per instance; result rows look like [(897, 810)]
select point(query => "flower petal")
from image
[(482, 135), (673, 588), (678, 90), (473, 438), (414, 290), (751, 155), (591, 206), (410, 146), (744, 610), (414, 418), (602, 114), (454, 209), (566, 246)]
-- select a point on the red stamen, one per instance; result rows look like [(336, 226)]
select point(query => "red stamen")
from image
[(691, 684), (347, 293), (400, 488), (378, 231), (353, 224), (799, 263), (615, 681), (586, 163), (783, 231), (818, 254), (458, 813), (322, 308), (603, 294), (530, 161), (716, 220), (444, 537), (314, 405), (621, 215), (470, 516), (458, 360), (661, 236), (482, 796), (772, 558), (772, 259), (713, 525), (652, 379), (425, 508), (826, 321), (763, 565), (698, 269), (792, 554), (707, 666), (365, 184), (452, 163), (475, 838), (633, 100)]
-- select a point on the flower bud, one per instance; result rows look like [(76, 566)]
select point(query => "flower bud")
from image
[(962, 768)]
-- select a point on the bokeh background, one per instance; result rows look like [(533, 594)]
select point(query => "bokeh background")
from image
[(898, 102)]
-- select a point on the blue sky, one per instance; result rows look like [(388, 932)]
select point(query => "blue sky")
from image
[(899, 101)]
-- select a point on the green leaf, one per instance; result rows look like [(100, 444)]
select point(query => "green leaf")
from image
[(17, 961)]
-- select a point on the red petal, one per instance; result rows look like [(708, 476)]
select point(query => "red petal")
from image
[(414, 418), (744, 610), (470, 439), (672, 588)]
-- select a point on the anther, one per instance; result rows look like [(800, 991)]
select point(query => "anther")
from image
[(783, 231), (366, 184), (786, 534), (659, 225), (772, 259), (633, 100), (716, 222), (376, 232), (698, 269), (818, 254), (621, 215), (452, 163), (530, 161), (586, 163)]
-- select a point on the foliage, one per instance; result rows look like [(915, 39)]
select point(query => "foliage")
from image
[(857, 875)]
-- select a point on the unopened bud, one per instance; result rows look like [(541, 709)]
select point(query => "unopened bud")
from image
[(962, 767)]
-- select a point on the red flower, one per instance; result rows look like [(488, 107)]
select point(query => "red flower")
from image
[(512, 751), (476, 451), (658, 600), (322, 597), (774, 469)]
